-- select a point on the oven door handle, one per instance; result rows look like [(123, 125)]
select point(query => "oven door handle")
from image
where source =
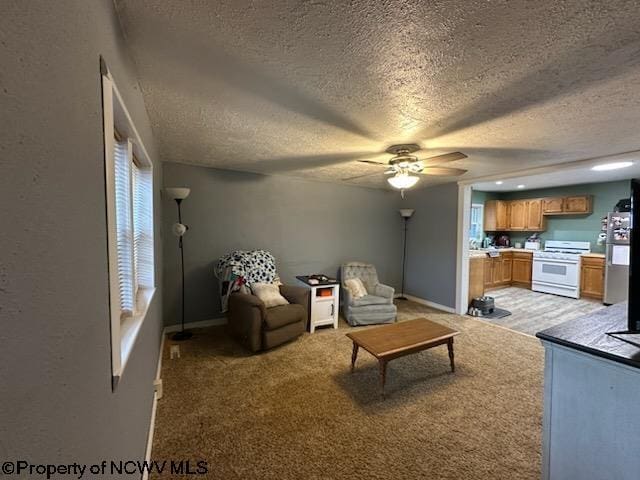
[(556, 261)]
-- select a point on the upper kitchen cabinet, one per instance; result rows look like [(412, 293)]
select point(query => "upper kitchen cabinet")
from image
[(496, 215), (552, 205), (535, 218), (526, 215), (579, 204), (529, 215), (518, 215)]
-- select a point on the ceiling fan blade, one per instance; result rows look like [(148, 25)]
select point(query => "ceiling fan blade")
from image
[(445, 158), (373, 162), (443, 171), (360, 176)]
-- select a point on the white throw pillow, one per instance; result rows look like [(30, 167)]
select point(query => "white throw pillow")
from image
[(269, 294), (355, 287)]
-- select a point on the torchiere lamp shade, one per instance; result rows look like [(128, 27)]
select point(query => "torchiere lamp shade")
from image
[(177, 193)]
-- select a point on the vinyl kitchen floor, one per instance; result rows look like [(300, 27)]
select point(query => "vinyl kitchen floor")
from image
[(534, 311)]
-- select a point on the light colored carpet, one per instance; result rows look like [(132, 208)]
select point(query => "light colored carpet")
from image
[(297, 413), (532, 311)]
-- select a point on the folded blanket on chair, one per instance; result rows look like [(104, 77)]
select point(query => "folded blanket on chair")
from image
[(239, 268)]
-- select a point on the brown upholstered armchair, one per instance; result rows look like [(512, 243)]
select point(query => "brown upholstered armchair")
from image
[(260, 328)]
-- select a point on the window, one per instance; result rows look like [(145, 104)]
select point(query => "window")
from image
[(129, 193), (475, 228)]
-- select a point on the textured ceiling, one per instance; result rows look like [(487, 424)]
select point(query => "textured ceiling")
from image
[(297, 87)]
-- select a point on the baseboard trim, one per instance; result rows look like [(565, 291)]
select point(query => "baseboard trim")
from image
[(201, 324), (429, 303)]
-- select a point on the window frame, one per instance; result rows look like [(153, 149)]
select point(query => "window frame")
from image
[(471, 223), (124, 330)]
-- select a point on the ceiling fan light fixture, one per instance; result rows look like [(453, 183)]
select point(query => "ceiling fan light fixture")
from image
[(403, 180)]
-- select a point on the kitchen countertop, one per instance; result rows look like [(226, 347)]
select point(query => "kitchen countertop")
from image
[(593, 255), (589, 334), (482, 252)]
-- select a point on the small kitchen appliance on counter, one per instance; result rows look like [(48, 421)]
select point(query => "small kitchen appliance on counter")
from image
[(533, 242), (503, 240)]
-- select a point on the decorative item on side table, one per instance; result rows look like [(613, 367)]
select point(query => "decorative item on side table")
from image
[(406, 214), (179, 229), (324, 300)]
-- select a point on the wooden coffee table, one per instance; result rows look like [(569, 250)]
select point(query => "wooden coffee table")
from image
[(400, 339)]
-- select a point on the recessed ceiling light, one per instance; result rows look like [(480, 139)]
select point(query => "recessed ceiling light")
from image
[(520, 186), (499, 182), (611, 166)]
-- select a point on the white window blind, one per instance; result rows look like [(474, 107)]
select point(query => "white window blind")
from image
[(134, 227), (143, 226), (475, 227), (124, 227)]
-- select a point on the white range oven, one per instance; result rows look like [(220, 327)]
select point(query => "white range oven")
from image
[(556, 269)]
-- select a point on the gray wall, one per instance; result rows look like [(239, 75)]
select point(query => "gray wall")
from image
[(309, 226), (431, 243), (57, 403)]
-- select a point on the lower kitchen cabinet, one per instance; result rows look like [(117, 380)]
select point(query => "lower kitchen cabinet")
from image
[(506, 264), (497, 270), (509, 268), (592, 277), (476, 277), (521, 270)]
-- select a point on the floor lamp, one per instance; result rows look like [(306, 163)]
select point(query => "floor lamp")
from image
[(405, 213), (179, 229)]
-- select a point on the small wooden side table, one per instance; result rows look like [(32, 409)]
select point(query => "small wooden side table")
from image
[(324, 302)]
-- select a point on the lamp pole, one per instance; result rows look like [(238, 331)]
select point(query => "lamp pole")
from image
[(182, 334), (179, 229), (406, 214)]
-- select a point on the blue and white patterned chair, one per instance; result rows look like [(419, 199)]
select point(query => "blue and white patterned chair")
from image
[(375, 307)]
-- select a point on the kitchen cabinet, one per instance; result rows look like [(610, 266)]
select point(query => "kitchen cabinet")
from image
[(578, 204), (518, 215), (506, 266), (509, 268), (503, 209), (496, 215), (592, 277), (492, 272), (535, 219), (529, 215), (476, 277), (497, 270), (521, 269), (488, 269), (552, 205)]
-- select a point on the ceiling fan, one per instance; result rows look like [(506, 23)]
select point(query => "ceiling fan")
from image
[(405, 167)]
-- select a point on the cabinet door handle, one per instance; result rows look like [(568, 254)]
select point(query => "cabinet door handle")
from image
[(333, 308)]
